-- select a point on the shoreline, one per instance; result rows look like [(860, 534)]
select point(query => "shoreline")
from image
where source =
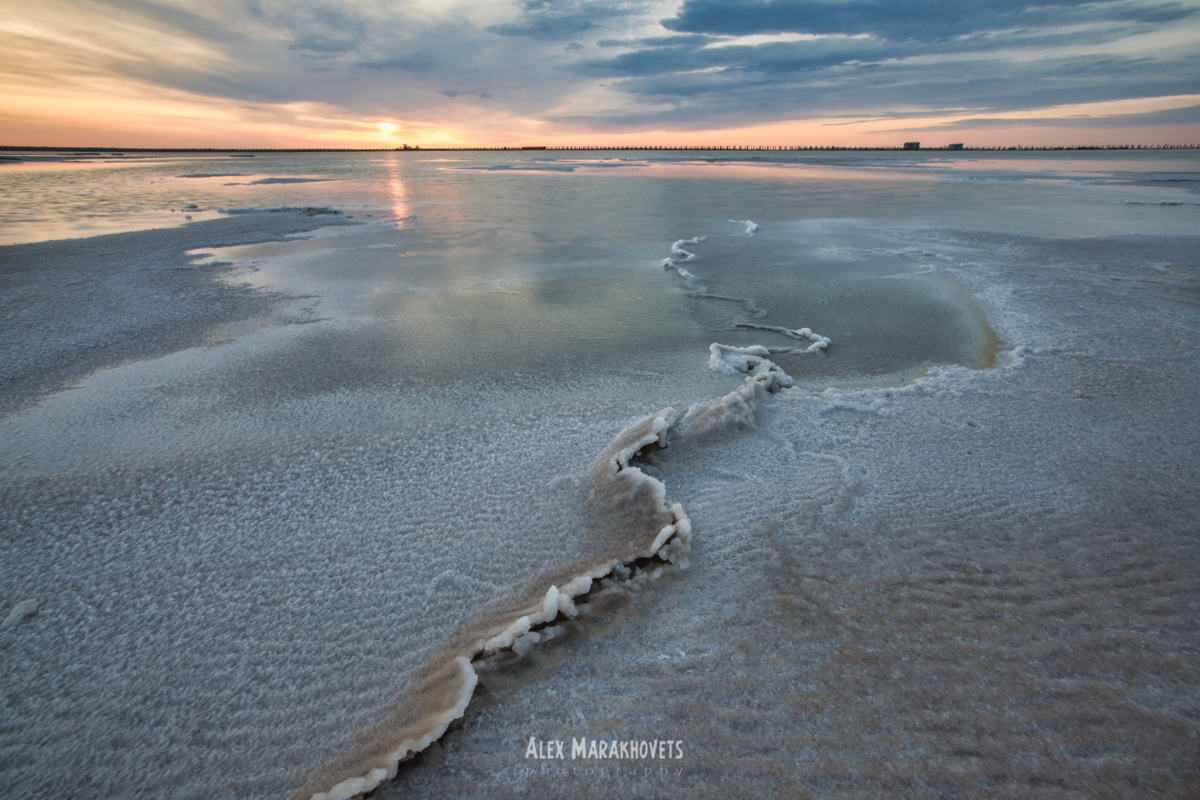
[(119, 151), (125, 297)]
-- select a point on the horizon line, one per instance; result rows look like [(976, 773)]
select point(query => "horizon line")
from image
[(908, 146)]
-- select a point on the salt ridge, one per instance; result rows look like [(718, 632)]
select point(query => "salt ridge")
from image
[(736, 410), (671, 545), (819, 342)]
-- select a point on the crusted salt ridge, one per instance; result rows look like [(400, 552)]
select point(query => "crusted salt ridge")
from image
[(671, 545), (751, 360), (352, 787), (819, 342), (698, 291), (617, 462), (681, 254), (740, 408), (617, 468)]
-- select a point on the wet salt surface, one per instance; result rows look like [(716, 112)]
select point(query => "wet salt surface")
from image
[(981, 584), (928, 579), (75, 307)]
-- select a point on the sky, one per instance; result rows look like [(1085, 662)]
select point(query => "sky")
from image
[(376, 73)]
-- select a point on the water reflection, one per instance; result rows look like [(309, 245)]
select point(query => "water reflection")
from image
[(396, 188)]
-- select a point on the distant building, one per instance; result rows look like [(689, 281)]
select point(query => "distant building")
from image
[(912, 145), (954, 146)]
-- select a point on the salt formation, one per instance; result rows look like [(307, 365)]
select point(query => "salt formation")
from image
[(445, 684), (740, 408), (21, 612), (819, 342), (621, 486), (684, 255), (734, 360), (319, 527)]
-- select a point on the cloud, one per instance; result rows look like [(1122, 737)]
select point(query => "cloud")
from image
[(321, 47), (660, 41), (1188, 115), (921, 20), (418, 63), (811, 58), (593, 66), (345, 55), (561, 19), (897, 89), (458, 92)]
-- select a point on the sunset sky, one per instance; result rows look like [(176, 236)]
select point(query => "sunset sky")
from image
[(364, 73)]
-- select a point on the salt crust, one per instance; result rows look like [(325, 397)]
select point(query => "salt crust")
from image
[(983, 523), (737, 409), (672, 545), (724, 360)]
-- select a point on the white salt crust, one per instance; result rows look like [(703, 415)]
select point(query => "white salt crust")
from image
[(737, 410)]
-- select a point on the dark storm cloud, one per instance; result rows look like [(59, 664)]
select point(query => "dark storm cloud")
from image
[(923, 20)]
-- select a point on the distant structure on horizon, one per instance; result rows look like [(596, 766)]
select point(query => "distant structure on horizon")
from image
[(12, 154)]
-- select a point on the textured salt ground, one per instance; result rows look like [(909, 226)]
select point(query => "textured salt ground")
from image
[(69, 308), (222, 624), (981, 585), (122, 697)]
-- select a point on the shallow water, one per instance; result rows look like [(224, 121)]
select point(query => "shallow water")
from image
[(252, 549)]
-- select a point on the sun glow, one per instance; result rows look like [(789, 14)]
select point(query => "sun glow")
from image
[(99, 73)]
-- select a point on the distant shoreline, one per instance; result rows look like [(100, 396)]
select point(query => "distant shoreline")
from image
[(576, 148)]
